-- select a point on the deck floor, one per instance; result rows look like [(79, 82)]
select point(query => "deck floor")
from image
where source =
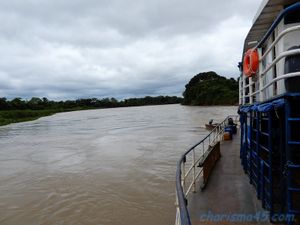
[(228, 193)]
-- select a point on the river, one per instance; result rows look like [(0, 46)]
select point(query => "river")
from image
[(101, 167)]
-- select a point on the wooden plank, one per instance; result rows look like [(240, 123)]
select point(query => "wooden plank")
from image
[(209, 162)]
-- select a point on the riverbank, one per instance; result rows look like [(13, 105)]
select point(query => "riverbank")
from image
[(24, 115), (16, 116), (19, 110)]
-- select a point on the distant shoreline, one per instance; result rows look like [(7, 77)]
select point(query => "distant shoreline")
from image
[(18, 116), (19, 110), (210, 105)]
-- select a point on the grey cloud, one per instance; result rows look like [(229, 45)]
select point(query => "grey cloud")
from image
[(71, 49)]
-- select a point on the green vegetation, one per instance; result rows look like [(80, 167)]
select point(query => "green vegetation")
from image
[(15, 116), (19, 110), (211, 89)]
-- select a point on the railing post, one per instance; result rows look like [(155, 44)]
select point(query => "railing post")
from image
[(244, 89), (260, 93), (183, 174), (219, 133), (177, 220), (194, 171), (250, 89)]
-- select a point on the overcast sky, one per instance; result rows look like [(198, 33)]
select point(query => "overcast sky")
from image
[(69, 49)]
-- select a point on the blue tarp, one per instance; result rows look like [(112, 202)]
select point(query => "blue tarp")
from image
[(245, 108), (265, 107)]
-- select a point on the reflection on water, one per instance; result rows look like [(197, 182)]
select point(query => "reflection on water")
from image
[(106, 167)]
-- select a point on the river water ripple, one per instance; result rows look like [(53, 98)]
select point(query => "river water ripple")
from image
[(105, 167)]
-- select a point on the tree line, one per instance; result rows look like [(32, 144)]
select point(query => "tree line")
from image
[(209, 88), (85, 103)]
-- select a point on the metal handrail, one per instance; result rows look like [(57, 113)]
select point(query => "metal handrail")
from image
[(278, 38), (182, 214), (279, 57), (276, 22), (280, 77), (259, 90), (285, 76)]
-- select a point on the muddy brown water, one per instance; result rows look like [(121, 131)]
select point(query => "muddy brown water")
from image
[(100, 167)]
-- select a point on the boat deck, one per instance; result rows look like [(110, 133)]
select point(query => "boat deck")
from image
[(228, 193)]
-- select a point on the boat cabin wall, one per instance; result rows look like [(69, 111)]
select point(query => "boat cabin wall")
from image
[(286, 65), (251, 88), (289, 64), (271, 74)]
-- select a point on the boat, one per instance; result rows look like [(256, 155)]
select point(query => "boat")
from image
[(255, 177), (211, 125)]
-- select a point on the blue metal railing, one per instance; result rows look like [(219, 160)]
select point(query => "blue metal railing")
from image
[(183, 217), (277, 21), (258, 92)]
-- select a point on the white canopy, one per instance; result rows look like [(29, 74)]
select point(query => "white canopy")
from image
[(265, 16)]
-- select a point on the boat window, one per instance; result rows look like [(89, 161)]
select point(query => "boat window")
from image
[(292, 17)]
